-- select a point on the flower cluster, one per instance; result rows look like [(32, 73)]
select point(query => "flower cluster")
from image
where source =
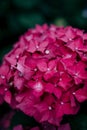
[(45, 74)]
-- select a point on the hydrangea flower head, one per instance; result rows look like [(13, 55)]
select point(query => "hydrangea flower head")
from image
[(45, 74)]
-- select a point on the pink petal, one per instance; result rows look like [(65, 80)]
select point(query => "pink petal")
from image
[(43, 46), (42, 65), (49, 87), (70, 33), (8, 97), (51, 64), (65, 81), (11, 60), (35, 128), (37, 89), (57, 92), (70, 110), (81, 95), (18, 127), (32, 47)]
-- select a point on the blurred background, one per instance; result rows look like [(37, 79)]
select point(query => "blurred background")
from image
[(16, 16)]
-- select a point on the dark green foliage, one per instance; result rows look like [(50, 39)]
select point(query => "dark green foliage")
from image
[(21, 118)]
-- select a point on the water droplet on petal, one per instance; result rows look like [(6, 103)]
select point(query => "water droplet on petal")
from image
[(11, 83), (60, 79), (55, 69), (35, 69), (76, 74), (37, 47), (17, 56), (50, 108), (73, 93), (48, 69), (62, 103), (5, 89), (47, 52), (70, 39), (76, 48), (2, 76)]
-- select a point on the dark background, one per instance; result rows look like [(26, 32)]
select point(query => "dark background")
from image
[(16, 16)]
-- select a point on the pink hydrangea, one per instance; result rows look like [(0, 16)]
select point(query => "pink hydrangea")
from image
[(45, 74)]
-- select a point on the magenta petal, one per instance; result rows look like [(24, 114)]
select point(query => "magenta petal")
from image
[(70, 110), (42, 65), (49, 87), (8, 97), (57, 92), (81, 95), (43, 46), (35, 128), (70, 32), (52, 64), (32, 47), (18, 127)]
